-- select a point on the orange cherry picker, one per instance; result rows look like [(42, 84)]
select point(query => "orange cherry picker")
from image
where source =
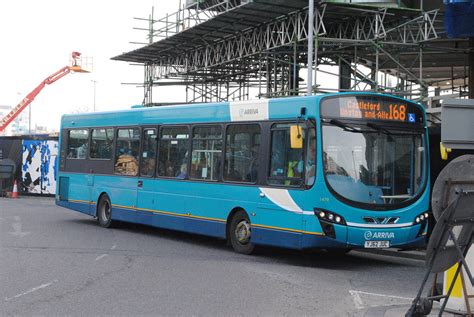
[(74, 67)]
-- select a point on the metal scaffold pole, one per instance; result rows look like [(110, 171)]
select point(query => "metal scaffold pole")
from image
[(310, 46)]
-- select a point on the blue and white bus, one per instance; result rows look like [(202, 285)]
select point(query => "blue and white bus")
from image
[(333, 171)]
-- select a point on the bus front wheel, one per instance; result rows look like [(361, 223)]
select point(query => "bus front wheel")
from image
[(104, 212), (240, 233)]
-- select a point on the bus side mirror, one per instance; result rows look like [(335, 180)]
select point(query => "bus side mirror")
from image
[(296, 137)]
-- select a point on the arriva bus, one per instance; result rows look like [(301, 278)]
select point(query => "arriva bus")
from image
[(335, 171)]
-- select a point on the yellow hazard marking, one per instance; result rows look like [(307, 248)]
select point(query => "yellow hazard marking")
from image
[(457, 290)]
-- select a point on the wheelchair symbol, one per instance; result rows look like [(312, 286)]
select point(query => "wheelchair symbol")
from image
[(411, 117)]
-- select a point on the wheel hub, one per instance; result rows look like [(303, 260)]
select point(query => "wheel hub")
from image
[(243, 232)]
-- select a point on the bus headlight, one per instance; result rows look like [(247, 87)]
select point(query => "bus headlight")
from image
[(329, 216), (421, 218)]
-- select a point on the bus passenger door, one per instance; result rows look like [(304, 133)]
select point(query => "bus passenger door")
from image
[(280, 203), (145, 183)]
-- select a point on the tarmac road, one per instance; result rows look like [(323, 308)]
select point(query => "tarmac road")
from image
[(55, 261)]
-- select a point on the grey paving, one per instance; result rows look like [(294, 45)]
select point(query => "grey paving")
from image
[(54, 261)]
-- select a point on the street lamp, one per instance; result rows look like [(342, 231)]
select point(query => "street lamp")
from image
[(94, 82)]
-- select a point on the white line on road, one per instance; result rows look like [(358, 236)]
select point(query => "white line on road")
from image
[(357, 300), (113, 247), (31, 290), (359, 304), (101, 257), (381, 295)]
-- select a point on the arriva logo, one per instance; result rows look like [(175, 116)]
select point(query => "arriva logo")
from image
[(368, 235), (248, 112)]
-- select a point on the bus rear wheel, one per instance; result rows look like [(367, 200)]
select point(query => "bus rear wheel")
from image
[(104, 212), (240, 233)]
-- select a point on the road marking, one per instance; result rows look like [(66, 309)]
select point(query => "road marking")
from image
[(357, 300), (382, 295), (17, 228), (31, 290), (113, 247), (101, 257), (359, 304)]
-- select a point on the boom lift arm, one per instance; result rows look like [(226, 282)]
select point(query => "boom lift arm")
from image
[(75, 67)]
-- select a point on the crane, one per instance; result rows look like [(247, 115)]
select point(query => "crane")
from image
[(74, 67)]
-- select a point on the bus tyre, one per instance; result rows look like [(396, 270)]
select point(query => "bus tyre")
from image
[(240, 233), (104, 212)]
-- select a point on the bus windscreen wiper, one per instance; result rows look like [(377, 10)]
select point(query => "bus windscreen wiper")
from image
[(343, 126), (388, 132), (378, 128)]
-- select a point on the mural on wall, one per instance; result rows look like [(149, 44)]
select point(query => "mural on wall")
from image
[(39, 166)]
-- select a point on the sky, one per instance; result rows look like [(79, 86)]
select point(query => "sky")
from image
[(37, 38)]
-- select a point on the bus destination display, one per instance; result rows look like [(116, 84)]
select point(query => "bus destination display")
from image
[(370, 108)]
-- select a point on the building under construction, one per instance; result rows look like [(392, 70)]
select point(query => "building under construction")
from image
[(245, 49)]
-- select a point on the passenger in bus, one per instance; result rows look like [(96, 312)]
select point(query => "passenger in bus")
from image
[(183, 171), (295, 164), (82, 151), (169, 169), (254, 164), (148, 166), (126, 164), (294, 168), (311, 162)]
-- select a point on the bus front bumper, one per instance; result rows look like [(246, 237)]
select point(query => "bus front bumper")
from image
[(352, 237)]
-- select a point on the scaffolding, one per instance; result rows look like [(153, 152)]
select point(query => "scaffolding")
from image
[(223, 50)]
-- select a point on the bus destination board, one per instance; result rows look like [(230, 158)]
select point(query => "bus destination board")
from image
[(374, 108)]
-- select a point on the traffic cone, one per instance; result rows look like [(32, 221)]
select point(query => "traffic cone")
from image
[(15, 190)]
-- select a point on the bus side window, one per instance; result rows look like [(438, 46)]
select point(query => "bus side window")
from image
[(101, 143), (148, 158), (286, 163), (206, 153), (241, 162), (126, 152), (78, 144), (173, 157)]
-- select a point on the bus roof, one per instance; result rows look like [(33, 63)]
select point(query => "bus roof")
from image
[(251, 110)]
